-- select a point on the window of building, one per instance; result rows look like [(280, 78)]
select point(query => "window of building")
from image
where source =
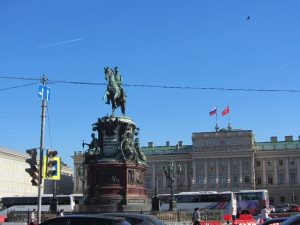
[(270, 179), (281, 178), (211, 180), (269, 163), (246, 164), (223, 178), (159, 182), (199, 163), (149, 182), (293, 179), (235, 178), (257, 162), (247, 179), (234, 164), (282, 199), (200, 180), (222, 164), (271, 200), (280, 162), (234, 141), (258, 180), (180, 183), (211, 142), (292, 162)]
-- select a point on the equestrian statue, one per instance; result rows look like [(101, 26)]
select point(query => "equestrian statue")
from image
[(114, 93)]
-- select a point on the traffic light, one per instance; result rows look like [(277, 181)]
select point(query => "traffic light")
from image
[(34, 169), (52, 167)]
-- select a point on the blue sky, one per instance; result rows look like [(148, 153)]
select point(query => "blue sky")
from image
[(174, 43)]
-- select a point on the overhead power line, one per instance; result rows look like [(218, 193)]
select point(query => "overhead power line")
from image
[(14, 87), (157, 86)]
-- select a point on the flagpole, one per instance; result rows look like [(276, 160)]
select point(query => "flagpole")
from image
[(217, 127), (229, 126)]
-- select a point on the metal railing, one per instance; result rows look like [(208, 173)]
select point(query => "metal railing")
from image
[(165, 216)]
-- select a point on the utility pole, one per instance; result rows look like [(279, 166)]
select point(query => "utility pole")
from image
[(40, 185)]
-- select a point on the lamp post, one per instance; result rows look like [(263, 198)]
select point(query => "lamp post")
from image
[(171, 171)]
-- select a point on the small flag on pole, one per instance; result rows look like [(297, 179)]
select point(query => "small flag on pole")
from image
[(225, 111), (213, 111)]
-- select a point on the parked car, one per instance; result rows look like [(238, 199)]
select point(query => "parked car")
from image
[(85, 220), (275, 221), (282, 208), (294, 220), (137, 219), (294, 208)]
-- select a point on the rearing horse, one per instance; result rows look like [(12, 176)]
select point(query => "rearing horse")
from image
[(114, 92)]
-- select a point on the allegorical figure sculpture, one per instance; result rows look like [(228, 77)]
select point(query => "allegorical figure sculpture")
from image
[(117, 139), (114, 94)]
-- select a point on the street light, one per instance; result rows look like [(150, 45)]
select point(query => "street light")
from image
[(171, 171)]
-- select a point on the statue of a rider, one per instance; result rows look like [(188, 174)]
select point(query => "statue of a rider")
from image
[(114, 94)]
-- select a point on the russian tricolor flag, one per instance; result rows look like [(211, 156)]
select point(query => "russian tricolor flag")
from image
[(213, 111)]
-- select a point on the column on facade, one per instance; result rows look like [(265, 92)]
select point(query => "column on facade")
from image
[(298, 171), (205, 172), (264, 172), (153, 176), (186, 184), (228, 172), (194, 170), (240, 171), (275, 171), (217, 171), (287, 174), (253, 182), (164, 180)]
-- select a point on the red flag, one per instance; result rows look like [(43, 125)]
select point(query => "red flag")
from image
[(225, 111)]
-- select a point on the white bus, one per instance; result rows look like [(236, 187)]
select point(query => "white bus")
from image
[(30, 202), (211, 200), (252, 200)]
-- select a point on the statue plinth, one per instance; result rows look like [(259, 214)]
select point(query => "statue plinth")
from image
[(115, 168)]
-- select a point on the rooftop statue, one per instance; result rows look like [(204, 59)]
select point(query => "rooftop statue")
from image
[(114, 94)]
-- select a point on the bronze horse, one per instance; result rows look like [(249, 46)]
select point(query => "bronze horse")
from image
[(114, 93)]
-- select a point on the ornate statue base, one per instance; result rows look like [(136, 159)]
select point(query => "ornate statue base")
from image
[(115, 186), (115, 169)]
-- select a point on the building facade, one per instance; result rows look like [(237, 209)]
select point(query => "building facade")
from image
[(15, 181), (225, 160)]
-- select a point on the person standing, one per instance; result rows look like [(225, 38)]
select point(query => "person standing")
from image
[(61, 212), (264, 214), (196, 217), (32, 217)]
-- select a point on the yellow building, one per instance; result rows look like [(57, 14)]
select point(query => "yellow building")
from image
[(225, 160)]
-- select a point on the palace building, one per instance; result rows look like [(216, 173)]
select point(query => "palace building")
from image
[(227, 160)]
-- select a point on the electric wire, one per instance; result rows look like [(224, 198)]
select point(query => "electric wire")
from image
[(156, 86), (14, 87), (49, 127)]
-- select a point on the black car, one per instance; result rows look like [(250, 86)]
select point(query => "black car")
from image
[(275, 221), (294, 220), (86, 220), (137, 218)]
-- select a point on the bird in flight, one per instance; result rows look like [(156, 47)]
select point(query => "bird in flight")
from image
[(248, 18)]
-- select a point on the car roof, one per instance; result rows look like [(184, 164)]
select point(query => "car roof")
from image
[(276, 220), (133, 215), (100, 216)]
